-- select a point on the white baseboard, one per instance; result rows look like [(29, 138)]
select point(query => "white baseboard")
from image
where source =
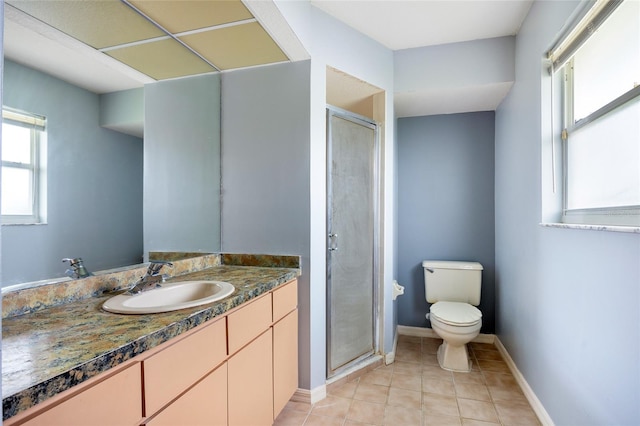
[(428, 332), (310, 396), (537, 406), (391, 356)]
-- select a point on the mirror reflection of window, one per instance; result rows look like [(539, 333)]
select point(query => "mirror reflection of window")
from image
[(23, 139)]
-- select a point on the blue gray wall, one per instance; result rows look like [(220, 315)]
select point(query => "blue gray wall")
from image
[(94, 184), (265, 173), (182, 165), (445, 204), (568, 301)]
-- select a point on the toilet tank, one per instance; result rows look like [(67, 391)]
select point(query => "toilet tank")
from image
[(452, 281)]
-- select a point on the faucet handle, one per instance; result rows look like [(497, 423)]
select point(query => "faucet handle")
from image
[(156, 265)]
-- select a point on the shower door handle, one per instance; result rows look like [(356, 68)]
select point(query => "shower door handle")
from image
[(333, 246)]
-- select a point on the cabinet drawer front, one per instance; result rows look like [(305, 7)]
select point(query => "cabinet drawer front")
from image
[(176, 368), (285, 300), (248, 322), (204, 404), (116, 400)]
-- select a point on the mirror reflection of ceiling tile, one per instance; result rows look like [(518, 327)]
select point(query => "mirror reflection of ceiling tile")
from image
[(236, 46), (161, 59), (98, 23), (186, 15)]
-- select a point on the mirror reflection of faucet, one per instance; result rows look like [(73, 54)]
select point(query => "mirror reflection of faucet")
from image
[(77, 269), (152, 278)]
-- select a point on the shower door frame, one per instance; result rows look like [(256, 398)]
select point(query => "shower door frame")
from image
[(375, 309)]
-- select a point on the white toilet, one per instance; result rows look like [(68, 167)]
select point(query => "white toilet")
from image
[(454, 290)]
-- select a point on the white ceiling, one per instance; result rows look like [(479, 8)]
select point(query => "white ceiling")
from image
[(401, 24)]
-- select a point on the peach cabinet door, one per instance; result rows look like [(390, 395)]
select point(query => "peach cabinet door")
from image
[(174, 369), (204, 404), (285, 361), (114, 401), (285, 299), (251, 383)]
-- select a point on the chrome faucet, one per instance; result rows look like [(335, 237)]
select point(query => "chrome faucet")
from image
[(77, 269), (151, 279)]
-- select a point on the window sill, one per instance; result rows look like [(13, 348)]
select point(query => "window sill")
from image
[(609, 228)]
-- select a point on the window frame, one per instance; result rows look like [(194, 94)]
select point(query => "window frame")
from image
[(626, 216), (37, 127)]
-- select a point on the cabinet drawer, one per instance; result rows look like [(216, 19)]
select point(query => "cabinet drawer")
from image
[(285, 300), (176, 368), (249, 322), (116, 400)]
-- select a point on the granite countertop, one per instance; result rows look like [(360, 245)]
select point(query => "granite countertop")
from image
[(50, 350)]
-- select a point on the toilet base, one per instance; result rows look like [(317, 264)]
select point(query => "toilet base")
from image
[(454, 358)]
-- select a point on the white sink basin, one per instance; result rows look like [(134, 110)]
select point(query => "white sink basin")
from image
[(169, 297)]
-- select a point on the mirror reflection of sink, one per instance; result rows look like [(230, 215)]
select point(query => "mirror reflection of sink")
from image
[(169, 297)]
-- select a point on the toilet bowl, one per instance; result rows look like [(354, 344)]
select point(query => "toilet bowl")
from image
[(457, 324)]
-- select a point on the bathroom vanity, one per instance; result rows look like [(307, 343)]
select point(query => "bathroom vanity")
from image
[(231, 362)]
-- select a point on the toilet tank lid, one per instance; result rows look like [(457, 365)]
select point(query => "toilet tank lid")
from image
[(451, 264)]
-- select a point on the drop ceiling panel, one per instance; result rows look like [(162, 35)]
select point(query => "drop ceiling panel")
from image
[(99, 24), (161, 59), (181, 16), (236, 46)]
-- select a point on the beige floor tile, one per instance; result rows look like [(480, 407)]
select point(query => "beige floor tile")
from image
[(472, 422), (331, 406), (414, 390), (507, 393), (483, 346), (404, 398), (430, 359), (377, 377), (440, 420), (477, 410), (409, 356), (435, 372), (346, 390), (474, 377), (366, 412), (408, 346), (430, 346), (440, 387), (439, 405), (304, 407), (493, 378), (290, 418), (397, 416), (491, 365), (407, 381), (314, 420), (371, 393), (492, 355), (472, 391), (407, 367), (516, 413)]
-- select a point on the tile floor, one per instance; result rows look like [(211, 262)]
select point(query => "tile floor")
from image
[(414, 390)]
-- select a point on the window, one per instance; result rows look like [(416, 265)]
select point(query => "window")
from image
[(22, 180), (600, 62)]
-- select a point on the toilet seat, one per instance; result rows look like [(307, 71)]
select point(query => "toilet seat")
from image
[(456, 313)]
